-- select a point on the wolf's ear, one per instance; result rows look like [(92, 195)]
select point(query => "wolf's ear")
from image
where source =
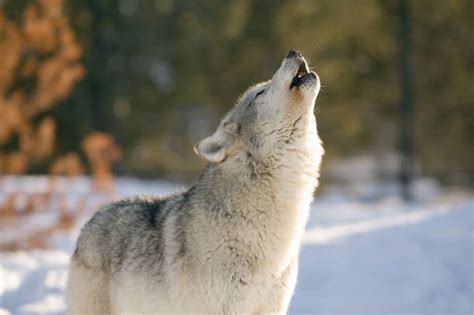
[(215, 148), (212, 148)]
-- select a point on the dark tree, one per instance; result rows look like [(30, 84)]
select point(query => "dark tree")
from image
[(406, 101)]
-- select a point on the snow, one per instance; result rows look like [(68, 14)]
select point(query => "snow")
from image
[(416, 260), (360, 255)]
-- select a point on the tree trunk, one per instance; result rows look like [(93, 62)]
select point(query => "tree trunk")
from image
[(406, 102)]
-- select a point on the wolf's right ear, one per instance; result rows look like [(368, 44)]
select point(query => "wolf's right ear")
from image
[(211, 149)]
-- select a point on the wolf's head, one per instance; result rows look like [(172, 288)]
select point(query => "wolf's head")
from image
[(270, 119)]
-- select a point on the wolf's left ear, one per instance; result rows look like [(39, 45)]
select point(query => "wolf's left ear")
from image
[(214, 148)]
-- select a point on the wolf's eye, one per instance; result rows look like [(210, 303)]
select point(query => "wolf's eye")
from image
[(256, 95), (259, 93)]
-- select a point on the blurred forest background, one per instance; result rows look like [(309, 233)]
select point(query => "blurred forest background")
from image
[(81, 78)]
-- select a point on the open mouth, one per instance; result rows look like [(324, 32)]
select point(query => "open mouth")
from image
[(302, 75)]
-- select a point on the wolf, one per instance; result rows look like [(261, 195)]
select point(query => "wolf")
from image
[(227, 245)]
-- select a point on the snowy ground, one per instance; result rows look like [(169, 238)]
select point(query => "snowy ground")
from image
[(377, 257)]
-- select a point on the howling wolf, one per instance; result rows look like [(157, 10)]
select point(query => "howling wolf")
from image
[(230, 243)]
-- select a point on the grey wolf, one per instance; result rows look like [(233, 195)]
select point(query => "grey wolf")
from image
[(227, 245)]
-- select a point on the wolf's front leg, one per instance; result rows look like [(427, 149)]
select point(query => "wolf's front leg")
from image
[(87, 291), (279, 296)]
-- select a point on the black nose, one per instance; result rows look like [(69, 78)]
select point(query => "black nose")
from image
[(293, 53)]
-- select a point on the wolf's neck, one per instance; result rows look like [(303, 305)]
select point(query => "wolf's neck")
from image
[(282, 191), (271, 209)]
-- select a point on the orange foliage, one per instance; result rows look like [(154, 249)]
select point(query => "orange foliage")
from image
[(68, 165), (43, 49), (42, 53), (102, 152), (14, 163)]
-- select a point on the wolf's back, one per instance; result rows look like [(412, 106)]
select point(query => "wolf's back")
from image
[(120, 231)]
